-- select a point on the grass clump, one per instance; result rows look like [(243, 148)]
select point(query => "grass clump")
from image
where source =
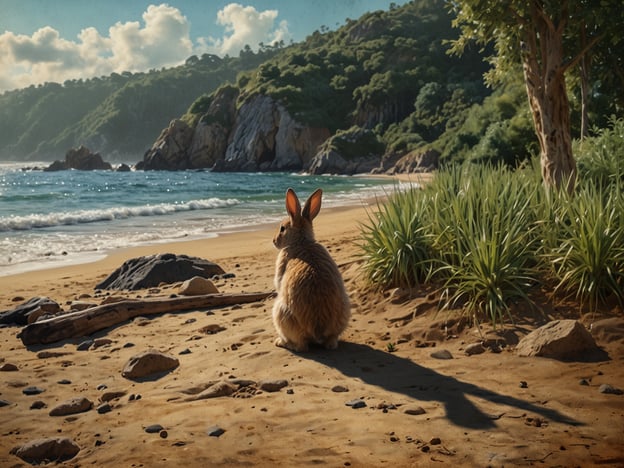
[(486, 235)]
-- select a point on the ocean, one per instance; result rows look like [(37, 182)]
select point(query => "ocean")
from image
[(49, 219)]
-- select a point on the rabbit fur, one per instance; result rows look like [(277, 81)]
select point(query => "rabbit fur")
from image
[(312, 305)]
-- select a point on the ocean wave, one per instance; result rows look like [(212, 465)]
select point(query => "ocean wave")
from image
[(35, 221)]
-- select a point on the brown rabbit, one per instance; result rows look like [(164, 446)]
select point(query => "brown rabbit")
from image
[(312, 305)]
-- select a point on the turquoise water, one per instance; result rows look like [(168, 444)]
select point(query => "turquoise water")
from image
[(49, 218)]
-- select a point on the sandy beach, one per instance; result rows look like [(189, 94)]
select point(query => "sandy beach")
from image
[(490, 409)]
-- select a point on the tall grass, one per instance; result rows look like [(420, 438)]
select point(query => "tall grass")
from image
[(487, 235)]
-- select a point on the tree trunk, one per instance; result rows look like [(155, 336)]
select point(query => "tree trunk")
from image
[(543, 68)]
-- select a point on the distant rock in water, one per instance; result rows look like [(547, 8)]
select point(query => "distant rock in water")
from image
[(150, 271), (81, 158)]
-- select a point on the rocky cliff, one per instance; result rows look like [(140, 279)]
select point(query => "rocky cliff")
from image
[(260, 135)]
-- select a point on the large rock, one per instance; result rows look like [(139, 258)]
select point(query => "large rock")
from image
[(29, 311), (81, 158), (72, 406), (416, 161), (170, 151), (149, 363), (559, 339), (44, 450), (151, 271)]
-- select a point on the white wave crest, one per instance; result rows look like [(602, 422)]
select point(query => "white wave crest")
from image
[(34, 221)]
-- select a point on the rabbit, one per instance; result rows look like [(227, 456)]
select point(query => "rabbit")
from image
[(312, 305)]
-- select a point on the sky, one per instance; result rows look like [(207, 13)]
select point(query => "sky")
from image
[(56, 40)]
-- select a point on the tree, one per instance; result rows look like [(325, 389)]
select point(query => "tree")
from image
[(548, 38)]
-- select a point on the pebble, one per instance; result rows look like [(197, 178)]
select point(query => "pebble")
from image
[(339, 389), (185, 351), (609, 389), (357, 403), (415, 411), (523, 384), (4, 403), (8, 367), (64, 382), (101, 342), (163, 434), (272, 385), (442, 354), (584, 382), (32, 391), (37, 404), (215, 431), (101, 387), (153, 428), (435, 441), (104, 408), (474, 348), (72, 406), (85, 345)]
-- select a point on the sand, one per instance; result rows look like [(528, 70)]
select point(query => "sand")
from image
[(491, 409)]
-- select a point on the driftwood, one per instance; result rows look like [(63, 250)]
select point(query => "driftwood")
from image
[(90, 320)]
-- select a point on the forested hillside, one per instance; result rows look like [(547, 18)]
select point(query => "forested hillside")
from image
[(119, 115), (387, 73)]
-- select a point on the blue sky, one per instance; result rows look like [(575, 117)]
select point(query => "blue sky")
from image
[(56, 40)]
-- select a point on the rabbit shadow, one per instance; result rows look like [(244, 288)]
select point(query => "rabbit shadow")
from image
[(401, 375)]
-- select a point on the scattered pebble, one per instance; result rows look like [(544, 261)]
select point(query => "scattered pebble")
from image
[(474, 348), (523, 384), (163, 434), (101, 387), (104, 408), (153, 428), (339, 389), (101, 342), (415, 411), (442, 354), (185, 351), (32, 391), (357, 403), (272, 385), (38, 404), (108, 396), (215, 431), (64, 382), (435, 441), (609, 389), (85, 345), (72, 406), (584, 382), (8, 367), (4, 403)]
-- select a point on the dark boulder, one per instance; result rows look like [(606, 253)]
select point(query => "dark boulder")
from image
[(151, 271), (82, 159), (29, 311)]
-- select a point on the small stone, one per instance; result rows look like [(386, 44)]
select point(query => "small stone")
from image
[(109, 396), (4, 403), (8, 367), (415, 411), (523, 384), (72, 406), (45, 450), (153, 428), (101, 342), (215, 431), (38, 404), (474, 348), (357, 403), (163, 434), (185, 351), (64, 382), (272, 385), (609, 389), (435, 441), (339, 389), (104, 408), (584, 382), (85, 345), (101, 387), (442, 354), (32, 391)]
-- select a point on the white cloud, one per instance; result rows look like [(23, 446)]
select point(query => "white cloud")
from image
[(246, 26), (162, 40)]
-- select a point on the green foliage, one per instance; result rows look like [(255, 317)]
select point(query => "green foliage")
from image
[(601, 158), (394, 242), (488, 234), (354, 142)]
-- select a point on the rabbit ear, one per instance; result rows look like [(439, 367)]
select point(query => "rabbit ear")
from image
[(313, 205), (293, 207)]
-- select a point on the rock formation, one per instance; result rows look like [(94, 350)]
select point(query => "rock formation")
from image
[(81, 158)]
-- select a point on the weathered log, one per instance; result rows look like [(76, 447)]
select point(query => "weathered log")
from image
[(90, 320)]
